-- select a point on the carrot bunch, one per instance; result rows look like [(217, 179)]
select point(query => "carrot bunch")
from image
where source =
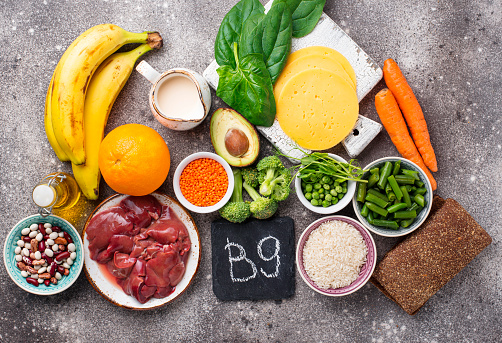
[(389, 103), (204, 182)]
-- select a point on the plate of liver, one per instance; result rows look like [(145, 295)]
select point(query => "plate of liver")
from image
[(140, 252)]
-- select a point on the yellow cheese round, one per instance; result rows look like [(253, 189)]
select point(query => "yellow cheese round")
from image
[(324, 51), (317, 109), (310, 62)]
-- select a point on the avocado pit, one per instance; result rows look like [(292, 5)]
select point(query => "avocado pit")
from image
[(236, 142)]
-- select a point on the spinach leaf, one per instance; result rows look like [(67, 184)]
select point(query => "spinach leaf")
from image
[(305, 14), (252, 31), (231, 28), (248, 88), (276, 37)]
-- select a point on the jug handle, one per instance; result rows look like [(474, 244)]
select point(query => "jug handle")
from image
[(148, 72)]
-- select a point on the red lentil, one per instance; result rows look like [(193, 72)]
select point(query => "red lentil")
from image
[(204, 182)]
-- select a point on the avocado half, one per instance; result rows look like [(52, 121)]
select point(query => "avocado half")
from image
[(234, 138)]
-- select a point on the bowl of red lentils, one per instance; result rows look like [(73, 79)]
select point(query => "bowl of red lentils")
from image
[(203, 182)]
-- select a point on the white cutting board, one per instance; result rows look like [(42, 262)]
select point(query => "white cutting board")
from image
[(326, 33)]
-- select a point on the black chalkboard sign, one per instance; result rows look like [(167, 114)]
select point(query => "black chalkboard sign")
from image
[(254, 260)]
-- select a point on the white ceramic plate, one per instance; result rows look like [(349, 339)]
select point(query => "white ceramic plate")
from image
[(114, 293)]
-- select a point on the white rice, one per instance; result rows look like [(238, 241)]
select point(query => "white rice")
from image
[(334, 254)]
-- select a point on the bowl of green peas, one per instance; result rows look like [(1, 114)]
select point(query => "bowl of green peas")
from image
[(397, 198), (325, 194)]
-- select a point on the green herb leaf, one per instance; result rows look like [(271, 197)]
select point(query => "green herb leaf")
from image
[(305, 14), (276, 37), (248, 88), (231, 29)]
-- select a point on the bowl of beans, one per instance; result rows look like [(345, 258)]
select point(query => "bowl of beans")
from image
[(43, 255), (397, 198), (203, 182), (325, 194)]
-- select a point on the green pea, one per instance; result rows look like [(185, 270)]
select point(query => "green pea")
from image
[(326, 203), (339, 189), (326, 179), (321, 191), (334, 201), (341, 195), (314, 202), (326, 187), (308, 187), (304, 184), (321, 196), (315, 195), (317, 186), (333, 192), (308, 196), (328, 197)]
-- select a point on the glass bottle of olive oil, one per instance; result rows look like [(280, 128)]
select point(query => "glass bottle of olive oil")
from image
[(56, 191)]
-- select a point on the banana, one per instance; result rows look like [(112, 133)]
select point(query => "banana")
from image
[(48, 126), (73, 75), (105, 86)]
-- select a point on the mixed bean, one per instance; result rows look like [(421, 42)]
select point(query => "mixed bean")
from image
[(44, 254), (393, 197), (323, 191)]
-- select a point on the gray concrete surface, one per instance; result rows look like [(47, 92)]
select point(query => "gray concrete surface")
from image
[(451, 54)]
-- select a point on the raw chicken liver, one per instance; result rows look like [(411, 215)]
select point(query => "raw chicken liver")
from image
[(144, 245)]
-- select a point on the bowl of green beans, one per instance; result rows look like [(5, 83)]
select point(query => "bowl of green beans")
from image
[(322, 187), (397, 198)]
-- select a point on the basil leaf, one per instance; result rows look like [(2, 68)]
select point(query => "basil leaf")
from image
[(231, 28), (252, 31), (305, 14), (276, 38), (248, 89)]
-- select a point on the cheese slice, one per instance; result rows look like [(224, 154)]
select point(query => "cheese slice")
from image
[(317, 109), (324, 51), (310, 62)]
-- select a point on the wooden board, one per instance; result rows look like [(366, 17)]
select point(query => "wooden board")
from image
[(368, 74)]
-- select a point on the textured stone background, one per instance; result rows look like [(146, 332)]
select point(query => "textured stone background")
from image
[(451, 54)]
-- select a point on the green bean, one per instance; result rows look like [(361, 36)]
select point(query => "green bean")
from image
[(395, 187), (396, 202), (375, 171), (413, 173), (392, 196), (405, 214), (364, 211), (376, 200), (405, 179), (406, 222), (413, 188), (378, 194), (373, 180), (419, 199), (384, 174), (420, 191), (419, 184), (391, 224), (406, 196), (370, 217), (409, 188), (415, 207), (388, 189), (361, 192), (397, 166), (397, 207), (377, 209)]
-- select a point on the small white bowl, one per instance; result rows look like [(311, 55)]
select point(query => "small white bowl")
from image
[(351, 189), (188, 204)]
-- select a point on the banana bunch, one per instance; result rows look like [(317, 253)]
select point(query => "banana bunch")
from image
[(83, 88)]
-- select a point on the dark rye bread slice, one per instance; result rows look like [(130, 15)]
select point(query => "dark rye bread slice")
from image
[(416, 268)]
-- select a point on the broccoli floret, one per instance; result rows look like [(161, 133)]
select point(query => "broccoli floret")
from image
[(250, 175), (261, 208), (280, 185), (270, 168), (236, 210)]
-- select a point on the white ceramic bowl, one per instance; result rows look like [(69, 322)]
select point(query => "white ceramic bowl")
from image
[(365, 272), (351, 189), (188, 204), (406, 164), (15, 273)]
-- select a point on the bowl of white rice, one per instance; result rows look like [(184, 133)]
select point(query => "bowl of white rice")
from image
[(336, 255)]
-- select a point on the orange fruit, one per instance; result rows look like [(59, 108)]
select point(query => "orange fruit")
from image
[(134, 159)]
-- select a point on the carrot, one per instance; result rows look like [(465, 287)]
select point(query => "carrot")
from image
[(392, 119), (412, 111)]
